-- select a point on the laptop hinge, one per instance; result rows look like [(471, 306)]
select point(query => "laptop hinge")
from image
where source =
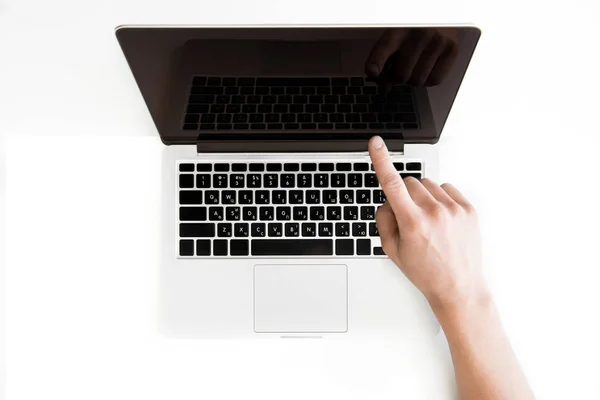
[(321, 145)]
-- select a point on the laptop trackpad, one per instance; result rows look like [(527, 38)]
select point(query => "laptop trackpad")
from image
[(300, 298)]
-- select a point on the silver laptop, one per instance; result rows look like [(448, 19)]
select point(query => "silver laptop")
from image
[(269, 196)]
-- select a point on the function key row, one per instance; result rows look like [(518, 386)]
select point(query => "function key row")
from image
[(265, 197), (290, 167)]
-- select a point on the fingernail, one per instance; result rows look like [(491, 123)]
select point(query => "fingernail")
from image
[(374, 68), (377, 142)]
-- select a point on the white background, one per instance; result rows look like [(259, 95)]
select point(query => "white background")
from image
[(82, 206)]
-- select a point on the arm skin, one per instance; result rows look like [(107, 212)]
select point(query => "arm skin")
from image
[(431, 232)]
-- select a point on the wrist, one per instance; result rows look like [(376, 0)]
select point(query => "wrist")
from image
[(453, 308)]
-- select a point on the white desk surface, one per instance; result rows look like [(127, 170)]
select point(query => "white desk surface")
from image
[(82, 200)]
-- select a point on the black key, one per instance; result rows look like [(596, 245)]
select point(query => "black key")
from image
[(354, 180), (338, 180), (224, 118), (284, 99), (234, 109), (323, 90), (270, 180), (320, 117), (269, 99), (371, 180), (199, 80), (190, 197), (238, 99), (240, 118), (332, 99), (224, 230), (208, 119), (300, 99), (221, 167), (307, 90), (197, 230), (284, 213), (201, 99), (211, 197), (245, 197), (352, 118), (275, 230), (222, 100), (363, 196), (414, 175), (232, 90), (363, 247), (264, 108), (220, 247), (359, 229), (197, 108), (236, 181), (317, 213), (378, 196), (321, 180), (325, 229), (292, 90), (186, 180), (291, 126), (334, 213), (214, 81), (256, 118), (342, 126), (186, 247), (347, 99), (325, 126), (296, 197), (343, 108), (186, 167), (203, 247), (309, 229), (359, 108), (291, 167), (304, 118), (399, 166), (301, 213), (192, 213), (343, 167), (359, 125), (305, 180), (311, 108), (336, 117), (240, 229), (238, 247), (353, 90), (344, 247), (367, 117), (280, 108), (346, 196), (351, 213), (216, 214), (361, 166), (254, 180), (259, 229), (376, 125), (203, 181), (227, 197), (357, 81), (413, 166), (272, 118), (203, 167), (342, 229), (288, 180), (271, 167), (329, 196), (339, 82), (232, 213), (245, 81), (296, 108), (326, 167), (277, 90), (247, 90), (313, 197), (228, 81), (262, 197), (328, 109), (256, 167), (378, 251), (255, 99), (267, 213), (373, 231), (292, 247), (279, 197), (219, 181), (292, 229), (249, 214), (369, 90)]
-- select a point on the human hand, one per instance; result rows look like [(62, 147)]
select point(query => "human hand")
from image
[(431, 232), (417, 56)]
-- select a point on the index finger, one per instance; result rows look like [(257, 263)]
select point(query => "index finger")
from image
[(393, 186)]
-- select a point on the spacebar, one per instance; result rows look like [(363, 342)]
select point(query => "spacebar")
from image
[(292, 247)]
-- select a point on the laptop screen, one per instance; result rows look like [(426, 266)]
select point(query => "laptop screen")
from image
[(298, 83)]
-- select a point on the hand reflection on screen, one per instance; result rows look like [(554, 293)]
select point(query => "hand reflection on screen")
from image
[(415, 56)]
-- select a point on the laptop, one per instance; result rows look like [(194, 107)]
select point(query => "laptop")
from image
[(269, 195)]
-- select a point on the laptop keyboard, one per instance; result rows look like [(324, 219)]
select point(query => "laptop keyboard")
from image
[(281, 209), (297, 104)]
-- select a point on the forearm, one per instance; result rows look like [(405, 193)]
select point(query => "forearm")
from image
[(485, 365)]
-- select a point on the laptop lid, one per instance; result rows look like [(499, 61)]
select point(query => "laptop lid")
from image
[(348, 83)]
